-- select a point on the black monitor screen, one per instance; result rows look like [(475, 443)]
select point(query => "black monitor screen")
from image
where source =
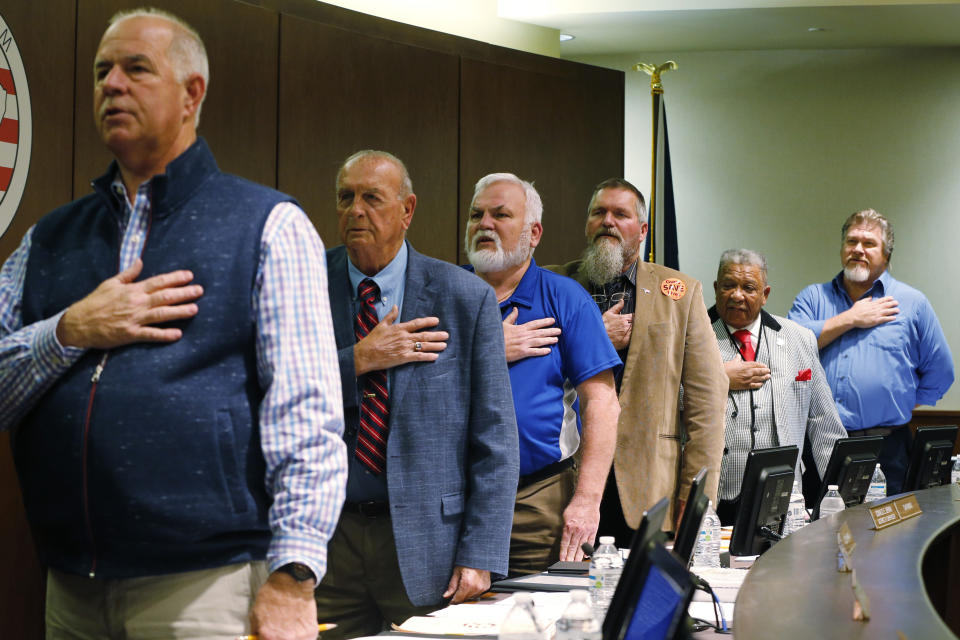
[(850, 467), (689, 528), (658, 610), (930, 457), (660, 590), (650, 528), (764, 499)]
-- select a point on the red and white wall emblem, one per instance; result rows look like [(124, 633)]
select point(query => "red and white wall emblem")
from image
[(15, 126)]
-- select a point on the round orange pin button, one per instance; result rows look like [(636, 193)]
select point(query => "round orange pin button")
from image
[(673, 288)]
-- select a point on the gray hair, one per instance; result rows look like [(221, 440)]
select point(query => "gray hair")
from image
[(186, 52), (621, 183), (406, 185), (870, 218), (533, 210), (746, 257)]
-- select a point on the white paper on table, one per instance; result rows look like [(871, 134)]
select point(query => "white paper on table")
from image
[(721, 577), (484, 618), (448, 626), (552, 578), (704, 611)]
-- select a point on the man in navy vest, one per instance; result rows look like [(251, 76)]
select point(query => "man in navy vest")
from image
[(177, 424)]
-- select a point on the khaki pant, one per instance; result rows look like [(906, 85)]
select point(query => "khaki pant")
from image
[(362, 591), (538, 522), (196, 605)]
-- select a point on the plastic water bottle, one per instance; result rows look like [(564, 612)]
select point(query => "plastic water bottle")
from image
[(955, 472), (832, 502), (578, 621), (606, 564), (707, 551), (521, 621), (797, 513), (878, 486)]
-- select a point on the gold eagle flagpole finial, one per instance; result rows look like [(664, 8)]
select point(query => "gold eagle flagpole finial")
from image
[(654, 72)]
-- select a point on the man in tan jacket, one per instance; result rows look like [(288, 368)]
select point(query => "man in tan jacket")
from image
[(672, 388)]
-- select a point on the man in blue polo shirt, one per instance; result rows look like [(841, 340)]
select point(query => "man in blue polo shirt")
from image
[(880, 342), (559, 355)]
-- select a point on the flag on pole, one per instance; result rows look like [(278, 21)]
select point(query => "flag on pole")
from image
[(663, 225)]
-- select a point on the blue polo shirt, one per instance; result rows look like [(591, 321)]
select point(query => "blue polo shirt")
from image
[(879, 374), (544, 387)]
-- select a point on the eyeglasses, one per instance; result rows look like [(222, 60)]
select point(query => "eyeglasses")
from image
[(605, 302)]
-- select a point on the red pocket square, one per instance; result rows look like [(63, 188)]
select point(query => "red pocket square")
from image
[(804, 375)]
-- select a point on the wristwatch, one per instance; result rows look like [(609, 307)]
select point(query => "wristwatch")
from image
[(297, 571)]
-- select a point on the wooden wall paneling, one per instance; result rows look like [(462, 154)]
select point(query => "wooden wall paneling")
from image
[(44, 33), (342, 91), (936, 418), (239, 115), (557, 124), (45, 36)]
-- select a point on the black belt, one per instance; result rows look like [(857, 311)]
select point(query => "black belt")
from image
[(545, 472), (370, 509), (876, 431)]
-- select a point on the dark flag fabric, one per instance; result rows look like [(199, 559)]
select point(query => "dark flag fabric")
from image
[(663, 222)]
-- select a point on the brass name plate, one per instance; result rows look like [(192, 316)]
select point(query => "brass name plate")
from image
[(890, 513), (908, 507)]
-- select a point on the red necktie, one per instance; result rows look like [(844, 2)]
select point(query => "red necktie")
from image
[(371, 447), (743, 337)]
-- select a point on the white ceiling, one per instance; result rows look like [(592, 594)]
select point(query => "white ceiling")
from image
[(620, 26)]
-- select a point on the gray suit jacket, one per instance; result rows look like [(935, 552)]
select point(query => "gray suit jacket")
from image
[(799, 407), (452, 452)]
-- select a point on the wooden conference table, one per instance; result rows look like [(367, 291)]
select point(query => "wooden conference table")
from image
[(909, 571)]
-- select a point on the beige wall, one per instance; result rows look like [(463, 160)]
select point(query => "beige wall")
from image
[(773, 149), (475, 19)]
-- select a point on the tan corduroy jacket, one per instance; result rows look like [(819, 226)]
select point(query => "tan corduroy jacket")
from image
[(659, 448)]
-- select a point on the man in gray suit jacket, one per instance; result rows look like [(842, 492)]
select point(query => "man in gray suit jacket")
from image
[(429, 417), (778, 390)]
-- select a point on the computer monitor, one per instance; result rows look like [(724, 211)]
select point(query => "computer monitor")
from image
[(650, 529), (764, 499), (850, 467), (689, 529), (658, 591), (930, 457)]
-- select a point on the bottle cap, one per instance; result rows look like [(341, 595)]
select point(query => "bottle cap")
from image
[(522, 598), (579, 595), (606, 539), (833, 487)]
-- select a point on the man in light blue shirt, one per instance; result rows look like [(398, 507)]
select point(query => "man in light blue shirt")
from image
[(880, 342)]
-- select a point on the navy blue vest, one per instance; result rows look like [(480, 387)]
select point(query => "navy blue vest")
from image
[(167, 475)]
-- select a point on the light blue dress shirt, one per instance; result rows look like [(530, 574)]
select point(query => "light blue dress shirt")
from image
[(362, 485), (879, 374)]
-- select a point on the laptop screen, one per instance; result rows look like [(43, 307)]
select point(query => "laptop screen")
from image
[(660, 607)]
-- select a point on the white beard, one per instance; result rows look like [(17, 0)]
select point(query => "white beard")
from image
[(603, 261), (487, 261), (856, 273)]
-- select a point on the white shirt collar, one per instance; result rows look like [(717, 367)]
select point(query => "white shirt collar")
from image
[(753, 327)]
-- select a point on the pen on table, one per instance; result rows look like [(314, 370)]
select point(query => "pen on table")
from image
[(320, 629)]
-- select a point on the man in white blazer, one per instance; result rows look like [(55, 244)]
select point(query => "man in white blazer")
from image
[(778, 390)]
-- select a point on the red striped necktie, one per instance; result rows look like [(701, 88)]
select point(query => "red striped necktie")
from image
[(371, 447)]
